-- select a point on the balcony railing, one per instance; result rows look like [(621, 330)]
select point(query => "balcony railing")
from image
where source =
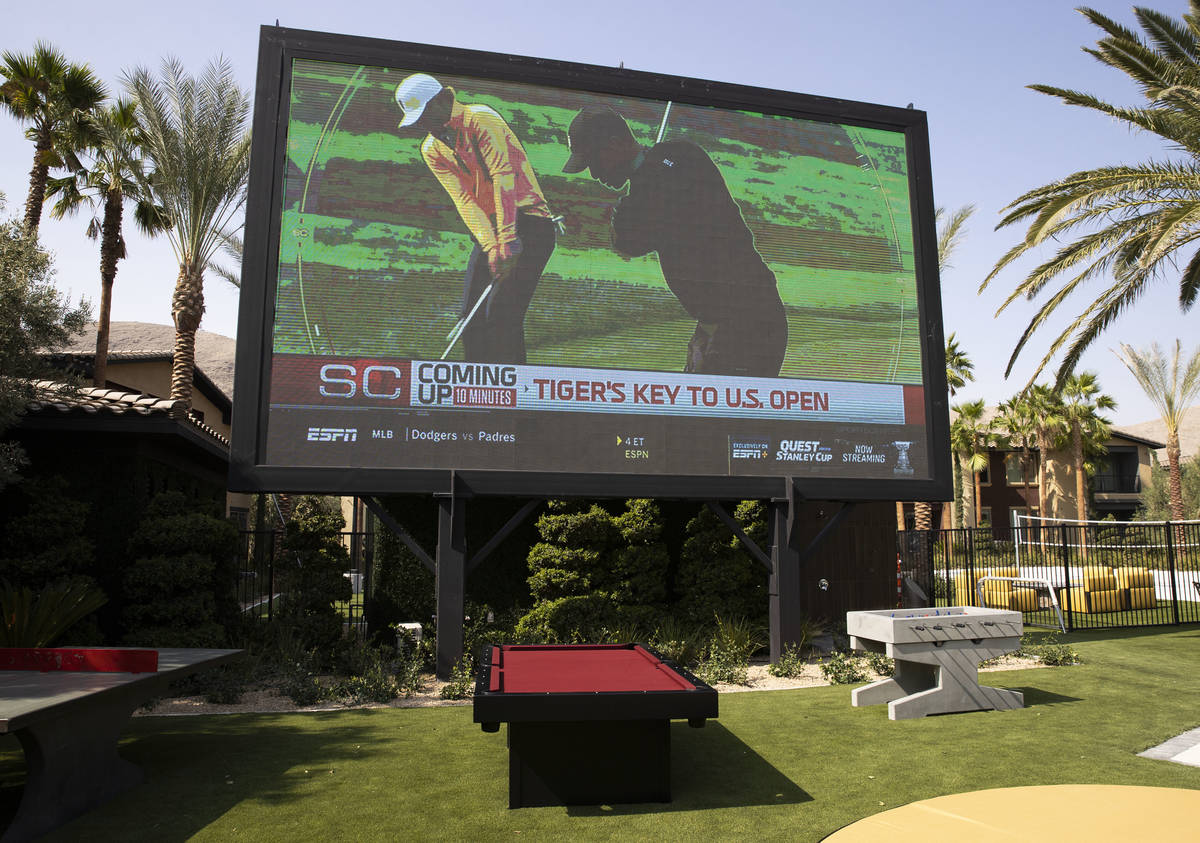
[(1122, 483)]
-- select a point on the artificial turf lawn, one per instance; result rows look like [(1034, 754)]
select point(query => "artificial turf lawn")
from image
[(777, 764)]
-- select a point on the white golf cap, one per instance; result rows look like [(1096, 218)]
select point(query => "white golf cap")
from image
[(413, 94)]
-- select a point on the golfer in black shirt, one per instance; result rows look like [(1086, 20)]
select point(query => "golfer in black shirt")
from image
[(678, 206)]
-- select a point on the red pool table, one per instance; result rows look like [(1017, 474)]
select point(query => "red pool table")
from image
[(587, 724)]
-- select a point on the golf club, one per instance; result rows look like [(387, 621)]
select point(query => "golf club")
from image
[(463, 323)]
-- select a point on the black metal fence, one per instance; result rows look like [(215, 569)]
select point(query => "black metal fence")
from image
[(1094, 576), (262, 582)]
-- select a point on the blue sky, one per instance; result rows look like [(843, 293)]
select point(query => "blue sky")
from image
[(965, 63)]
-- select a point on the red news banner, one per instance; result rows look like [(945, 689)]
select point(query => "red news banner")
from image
[(299, 381)]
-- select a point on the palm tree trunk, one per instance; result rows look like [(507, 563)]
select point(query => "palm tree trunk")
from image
[(900, 516), (1174, 476), (978, 498), (1175, 486), (37, 183), (1080, 486), (956, 505), (1043, 450), (187, 309), (963, 493), (922, 515), (110, 252)]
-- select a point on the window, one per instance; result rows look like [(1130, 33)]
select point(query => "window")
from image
[(985, 516), (1017, 516), (1013, 473), (1118, 472)]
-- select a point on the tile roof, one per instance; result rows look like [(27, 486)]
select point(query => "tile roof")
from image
[(55, 395), (148, 341)]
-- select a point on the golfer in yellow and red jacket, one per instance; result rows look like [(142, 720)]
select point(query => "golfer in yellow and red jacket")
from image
[(483, 167)]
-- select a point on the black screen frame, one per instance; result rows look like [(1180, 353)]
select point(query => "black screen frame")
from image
[(279, 47)]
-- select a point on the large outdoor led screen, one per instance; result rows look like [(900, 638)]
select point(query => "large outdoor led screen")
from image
[(515, 269)]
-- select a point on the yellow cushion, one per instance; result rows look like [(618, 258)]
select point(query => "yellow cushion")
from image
[(1076, 599), (1106, 601), (1133, 578), (964, 589), (1099, 579), (1023, 600), (995, 596), (1004, 572), (1142, 598)]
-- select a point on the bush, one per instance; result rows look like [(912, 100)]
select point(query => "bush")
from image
[(575, 619), (594, 572), (29, 619), (720, 666), (1053, 652), (791, 663), (224, 685), (43, 542), (462, 681), (311, 567), (180, 589), (402, 588), (304, 689), (716, 574), (882, 665), (843, 668), (374, 681), (677, 641), (727, 658)]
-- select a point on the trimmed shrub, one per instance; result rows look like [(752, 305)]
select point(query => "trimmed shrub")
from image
[(576, 619), (180, 589), (716, 574), (595, 573), (312, 567)]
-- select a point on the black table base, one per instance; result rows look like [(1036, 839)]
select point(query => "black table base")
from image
[(598, 762)]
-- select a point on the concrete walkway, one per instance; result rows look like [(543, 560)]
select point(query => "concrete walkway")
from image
[(1182, 749)]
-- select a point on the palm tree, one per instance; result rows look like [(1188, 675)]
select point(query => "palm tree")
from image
[(1139, 221), (1018, 426), (959, 371), (194, 135), (1049, 426), (958, 366), (55, 97), (1170, 388), (969, 435), (113, 175), (1081, 402)]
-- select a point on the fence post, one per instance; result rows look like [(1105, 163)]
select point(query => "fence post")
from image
[(1066, 563), (1171, 571), (970, 577), (271, 579)]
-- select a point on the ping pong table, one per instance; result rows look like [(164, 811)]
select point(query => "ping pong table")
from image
[(68, 723)]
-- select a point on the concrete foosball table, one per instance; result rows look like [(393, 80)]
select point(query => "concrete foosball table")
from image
[(937, 654)]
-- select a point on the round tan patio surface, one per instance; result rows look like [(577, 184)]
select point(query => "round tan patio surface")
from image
[(1066, 812)]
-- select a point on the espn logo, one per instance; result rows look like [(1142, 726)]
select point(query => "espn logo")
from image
[(751, 449), (333, 434)]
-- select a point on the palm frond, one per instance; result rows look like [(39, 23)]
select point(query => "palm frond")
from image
[(952, 233), (1127, 221), (1189, 283)]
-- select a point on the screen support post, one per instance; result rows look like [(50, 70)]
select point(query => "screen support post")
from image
[(786, 609), (788, 558), (450, 577)]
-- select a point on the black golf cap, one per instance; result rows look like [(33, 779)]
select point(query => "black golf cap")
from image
[(591, 127)]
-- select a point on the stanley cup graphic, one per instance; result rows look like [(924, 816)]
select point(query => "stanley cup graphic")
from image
[(903, 466)]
